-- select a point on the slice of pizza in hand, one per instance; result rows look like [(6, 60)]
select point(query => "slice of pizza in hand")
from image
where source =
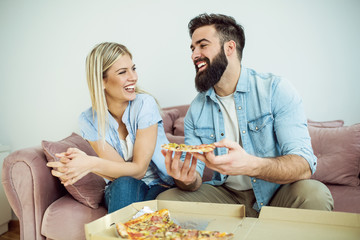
[(188, 148)]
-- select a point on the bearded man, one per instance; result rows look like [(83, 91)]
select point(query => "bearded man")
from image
[(264, 154)]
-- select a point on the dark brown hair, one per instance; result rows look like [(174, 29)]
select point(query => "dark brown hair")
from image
[(226, 27)]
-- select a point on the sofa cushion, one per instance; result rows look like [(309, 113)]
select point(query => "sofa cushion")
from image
[(338, 153), (89, 190), (346, 198), (65, 213)]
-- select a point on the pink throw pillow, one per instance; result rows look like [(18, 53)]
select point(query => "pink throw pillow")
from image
[(179, 127), (169, 117), (338, 152), (89, 190), (326, 124)]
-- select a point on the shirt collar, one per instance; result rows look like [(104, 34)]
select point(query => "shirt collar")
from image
[(243, 83), (113, 123)]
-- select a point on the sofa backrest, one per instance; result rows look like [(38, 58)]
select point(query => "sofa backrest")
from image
[(336, 146)]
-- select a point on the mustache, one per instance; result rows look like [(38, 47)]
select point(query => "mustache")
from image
[(203, 59)]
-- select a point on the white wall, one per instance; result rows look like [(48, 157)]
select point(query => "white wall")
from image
[(43, 45)]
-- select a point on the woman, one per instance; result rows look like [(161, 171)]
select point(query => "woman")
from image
[(125, 129)]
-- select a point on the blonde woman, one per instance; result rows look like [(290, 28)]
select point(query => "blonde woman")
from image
[(125, 129)]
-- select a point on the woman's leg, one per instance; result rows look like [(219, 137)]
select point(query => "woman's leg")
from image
[(154, 191), (124, 191)]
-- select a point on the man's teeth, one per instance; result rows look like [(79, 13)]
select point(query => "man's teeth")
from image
[(201, 64)]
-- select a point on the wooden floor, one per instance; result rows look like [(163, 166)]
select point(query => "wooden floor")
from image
[(13, 233)]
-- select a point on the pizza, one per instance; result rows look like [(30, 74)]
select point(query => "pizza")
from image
[(188, 148), (158, 225)]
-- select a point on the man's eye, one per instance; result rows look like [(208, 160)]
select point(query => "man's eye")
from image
[(203, 45)]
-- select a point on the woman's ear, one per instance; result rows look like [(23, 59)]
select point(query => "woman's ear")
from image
[(104, 81), (230, 47)]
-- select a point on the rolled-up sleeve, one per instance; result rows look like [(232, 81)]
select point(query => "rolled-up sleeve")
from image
[(149, 113), (290, 123), (88, 126)]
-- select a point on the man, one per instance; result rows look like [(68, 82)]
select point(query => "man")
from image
[(263, 155)]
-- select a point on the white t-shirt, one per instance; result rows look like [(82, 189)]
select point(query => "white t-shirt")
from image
[(127, 147), (227, 105)]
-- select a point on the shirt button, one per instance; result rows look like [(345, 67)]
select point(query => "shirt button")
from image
[(219, 110), (240, 108), (212, 135), (254, 180), (244, 131), (222, 134), (261, 204), (256, 128)]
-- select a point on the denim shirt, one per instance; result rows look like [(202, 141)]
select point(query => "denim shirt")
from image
[(271, 122), (140, 113)]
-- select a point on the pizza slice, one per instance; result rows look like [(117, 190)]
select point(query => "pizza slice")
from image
[(188, 148), (150, 224), (205, 235), (158, 225)]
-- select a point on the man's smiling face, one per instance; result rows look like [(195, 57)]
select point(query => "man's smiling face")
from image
[(208, 56)]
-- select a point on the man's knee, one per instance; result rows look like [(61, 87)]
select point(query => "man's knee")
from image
[(173, 194), (206, 193), (306, 194)]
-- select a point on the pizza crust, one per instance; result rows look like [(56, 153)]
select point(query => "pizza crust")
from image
[(188, 148)]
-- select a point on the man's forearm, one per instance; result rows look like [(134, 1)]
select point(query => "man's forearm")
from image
[(192, 186), (283, 169)]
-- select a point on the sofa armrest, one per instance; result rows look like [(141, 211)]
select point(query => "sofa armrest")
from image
[(30, 189)]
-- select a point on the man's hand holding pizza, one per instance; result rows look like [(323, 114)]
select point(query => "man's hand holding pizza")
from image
[(235, 162), (184, 172)]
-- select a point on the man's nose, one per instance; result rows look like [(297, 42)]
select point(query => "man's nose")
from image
[(195, 54)]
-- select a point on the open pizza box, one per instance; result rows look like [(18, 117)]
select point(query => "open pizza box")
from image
[(273, 222)]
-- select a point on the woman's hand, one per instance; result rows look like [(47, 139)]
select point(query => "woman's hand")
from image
[(73, 165)]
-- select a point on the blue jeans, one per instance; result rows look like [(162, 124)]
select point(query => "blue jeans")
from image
[(127, 190)]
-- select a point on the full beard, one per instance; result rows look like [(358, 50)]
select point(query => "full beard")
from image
[(210, 76)]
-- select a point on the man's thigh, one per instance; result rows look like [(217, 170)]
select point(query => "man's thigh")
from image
[(306, 194), (213, 194), (206, 193)]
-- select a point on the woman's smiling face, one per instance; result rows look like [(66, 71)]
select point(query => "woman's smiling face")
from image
[(120, 80)]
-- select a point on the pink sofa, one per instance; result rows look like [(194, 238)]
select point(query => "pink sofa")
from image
[(47, 210)]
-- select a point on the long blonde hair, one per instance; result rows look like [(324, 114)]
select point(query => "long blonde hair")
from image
[(99, 60)]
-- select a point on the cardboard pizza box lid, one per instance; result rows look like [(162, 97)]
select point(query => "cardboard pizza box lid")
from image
[(273, 222), (290, 223), (210, 215)]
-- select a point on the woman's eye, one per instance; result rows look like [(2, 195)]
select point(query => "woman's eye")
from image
[(122, 72), (134, 68)]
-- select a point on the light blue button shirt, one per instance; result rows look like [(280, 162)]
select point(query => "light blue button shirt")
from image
[(271, 122), (140, 113)]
